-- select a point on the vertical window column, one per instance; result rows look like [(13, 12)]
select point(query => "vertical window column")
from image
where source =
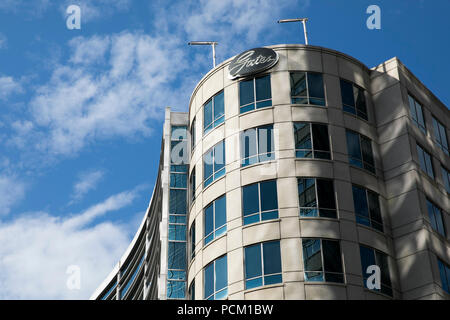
[(216, 279), (215, 222)]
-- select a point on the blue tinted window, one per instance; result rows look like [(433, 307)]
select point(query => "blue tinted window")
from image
[(259, 202), (258, 88), (444, 272), (262, 264), (322, 260), (215, 219), (307, 88), (353, 99), (311, 141), (178, 180), (257, 145), (360, 151), (214, 163), (371, 257), (177, 232), (446, 178), (213, 112), (177, 255), (367, 208), (435, 216), (179, 133), (216, 279), (440, 134), (177, 202), (425, 161), (316, 198), (416, 113)]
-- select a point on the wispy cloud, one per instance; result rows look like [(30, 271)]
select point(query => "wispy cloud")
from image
[(9, 86), (34, 264), (3, 41), (87, 181), (12, 190)]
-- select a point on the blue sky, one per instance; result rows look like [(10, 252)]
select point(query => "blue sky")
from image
[(82, 110)]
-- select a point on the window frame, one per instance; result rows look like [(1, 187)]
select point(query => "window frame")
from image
[(214, 122), (446, 178), (255, 101), (361, 114), (192, 186), (308, 95), (270, 155), (216, 174), (422, 152), (263, 276), (312, 151), (414, 117), (215, 291), (443, 265), (436, 212), (364, 164), (192, 133), (216, 231), (260, 213), (317, 209), (192, 242), (369, 211), (440, 136), (323, 272)]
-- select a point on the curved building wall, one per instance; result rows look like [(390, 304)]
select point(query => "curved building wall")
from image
[(289, 228)]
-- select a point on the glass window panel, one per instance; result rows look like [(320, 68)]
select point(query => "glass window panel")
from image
[(367, 259), (178, 180), (298, 84), (250, 199), (177, 232), (221, 273), (246, 92), (175, 289), (269, 199), (374, 207), (248, 143), (271, 257), (366, 148), (412, 108), (320, 137), (428, 164), (209, 219), (443, 138), (265, 139), (382, 261), (218, 106), (315, 85), (332, 261), (302, 136), (253, 267), (219, 156), (208, 167), (179, 133), (446, 178), (263, 91), (354, 149), (360, 202), (220, 212), (177, 255), (312, 255), (445, 276), (361, 108), (307, 196), (209, 280), (347, 94), (207, 115), (177, 203), (325, 191)]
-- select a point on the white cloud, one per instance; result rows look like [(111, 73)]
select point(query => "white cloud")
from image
[(86, 101), (9, 86), (11, 191), (96, 9), (87, 181), (38, 248)]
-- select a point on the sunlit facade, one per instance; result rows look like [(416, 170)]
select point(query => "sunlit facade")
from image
[(292, 182)]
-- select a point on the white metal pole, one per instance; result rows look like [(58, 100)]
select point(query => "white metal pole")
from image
[(304, 30)]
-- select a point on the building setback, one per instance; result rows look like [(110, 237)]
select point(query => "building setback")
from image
[(292, 182)]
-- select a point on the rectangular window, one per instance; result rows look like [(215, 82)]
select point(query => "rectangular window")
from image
[(436, 219), (214, 163), (192, 132), (216, 279), (353, 99), (215, 222), (360, 151), (444, 272), (177, 256), (440, 134), (179, 133), (316, 198), (192, 185), (446, 178), (257, 145), (213, 112), (262, 264), (322, 260), (425, 161), (192, 237), (370, 257), (260, 202), (307, 88), (367, 208), (177, 201), (311, 140), (255, 94), (417, 113)]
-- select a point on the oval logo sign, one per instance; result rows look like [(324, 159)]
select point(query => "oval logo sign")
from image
[(251, 62)]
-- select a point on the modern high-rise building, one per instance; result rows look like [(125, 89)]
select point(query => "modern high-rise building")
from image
[(298, 173)]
